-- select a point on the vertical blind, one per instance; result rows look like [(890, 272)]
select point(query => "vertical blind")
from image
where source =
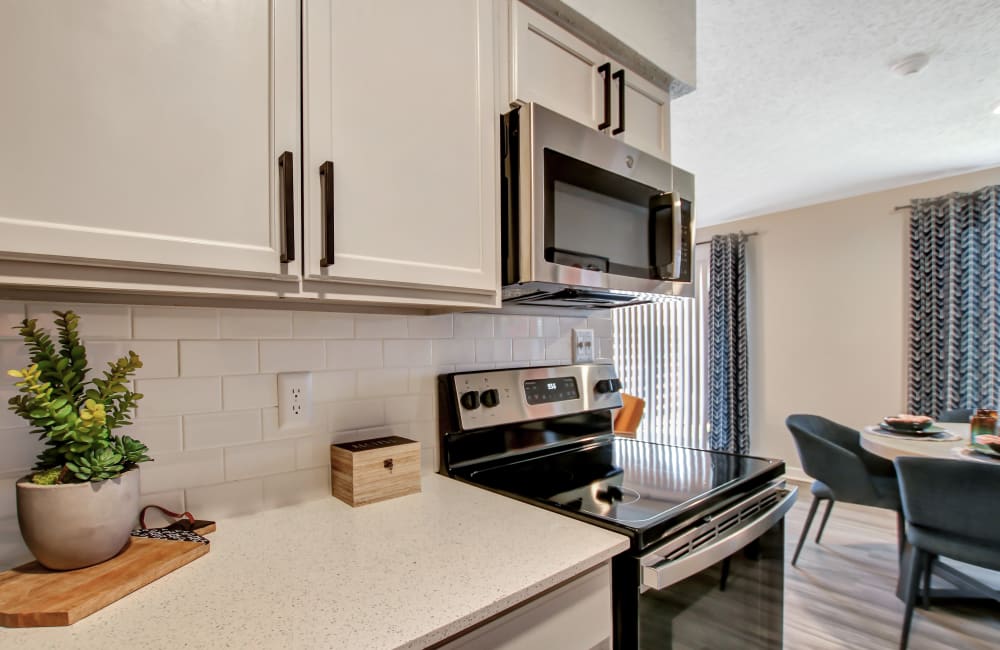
[(658, 351)]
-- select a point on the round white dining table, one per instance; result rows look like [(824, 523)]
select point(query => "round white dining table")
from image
[(891, 447)]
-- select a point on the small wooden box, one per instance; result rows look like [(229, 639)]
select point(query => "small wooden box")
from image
[(373, 470)]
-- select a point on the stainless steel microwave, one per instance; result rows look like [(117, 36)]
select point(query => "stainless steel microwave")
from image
[(587, 220)]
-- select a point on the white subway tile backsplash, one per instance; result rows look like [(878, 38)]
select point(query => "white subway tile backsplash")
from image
[(249, 392), (441, 326), (226, 499), (380, 327), (8, 495), (320, 325), (210, 414), (558, 349), (13, 355), (210, 358), (292, 356), (8, 419), (332, 385), (448, 351), (255, 324), (272, 430), (159, 358), (511, 326), (347, 355), (296, 487), (261, 459), (406, 353), (601, 325), (172, 500), (96, 321), (11, 315), (382, 382), (19, 447), (182, 470), (175, 323), (469, 326), (568, 323), (605, 349), (313, 452), (407, 408), (161, 435), (356, 414), (529, 349), (179, 396), (494, 350), (221, 429)]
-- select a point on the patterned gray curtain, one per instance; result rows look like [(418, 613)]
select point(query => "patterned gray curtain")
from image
[(728, 401), (954, 303)]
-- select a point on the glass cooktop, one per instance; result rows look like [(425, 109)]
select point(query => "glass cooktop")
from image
[(630, 483)]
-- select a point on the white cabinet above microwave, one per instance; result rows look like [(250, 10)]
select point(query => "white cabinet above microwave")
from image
[(554, 68)]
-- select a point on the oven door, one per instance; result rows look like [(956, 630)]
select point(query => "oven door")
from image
[(593, 212), (719, 585)]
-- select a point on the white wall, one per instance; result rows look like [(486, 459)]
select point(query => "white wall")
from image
[(209, 414), (828, 287)]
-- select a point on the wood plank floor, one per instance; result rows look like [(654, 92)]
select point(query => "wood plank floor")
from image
[(842, 593)]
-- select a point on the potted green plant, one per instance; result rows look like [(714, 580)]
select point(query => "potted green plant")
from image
[(81, 500)]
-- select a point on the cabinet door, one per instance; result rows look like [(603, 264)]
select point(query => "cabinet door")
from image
[(401, 99), (552, 67), (647, 115), (147, 134)]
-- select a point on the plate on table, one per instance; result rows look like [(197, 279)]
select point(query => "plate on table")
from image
[(910, 431), (985, 450), (968, 453)]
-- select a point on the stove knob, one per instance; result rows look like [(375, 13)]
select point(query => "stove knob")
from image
[(470, 400), (490, 398), (608, 386)]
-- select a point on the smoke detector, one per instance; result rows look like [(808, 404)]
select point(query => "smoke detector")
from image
[(911, 64)]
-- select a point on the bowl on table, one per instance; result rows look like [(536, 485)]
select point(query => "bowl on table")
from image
[(988, 445), (913, 424)]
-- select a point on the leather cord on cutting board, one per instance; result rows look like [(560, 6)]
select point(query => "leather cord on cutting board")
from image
[(169, 513)]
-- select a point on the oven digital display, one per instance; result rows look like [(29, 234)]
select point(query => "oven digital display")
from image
[(557, 389)]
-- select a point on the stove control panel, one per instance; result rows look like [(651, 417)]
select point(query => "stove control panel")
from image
[(493, 397)]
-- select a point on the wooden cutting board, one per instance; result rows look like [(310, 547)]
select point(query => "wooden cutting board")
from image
[(33, 596)]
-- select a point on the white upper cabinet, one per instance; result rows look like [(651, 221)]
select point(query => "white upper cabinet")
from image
[(553, 67), (401, 106), (148, 134)]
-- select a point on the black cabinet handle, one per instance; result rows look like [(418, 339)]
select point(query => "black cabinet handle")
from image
[(605, 71), (326, 188), (620, 77), (286, 204)]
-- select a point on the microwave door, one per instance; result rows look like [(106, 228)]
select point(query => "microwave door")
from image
[(669, 232)]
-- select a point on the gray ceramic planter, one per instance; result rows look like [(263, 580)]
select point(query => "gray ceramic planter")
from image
[(78, 524)]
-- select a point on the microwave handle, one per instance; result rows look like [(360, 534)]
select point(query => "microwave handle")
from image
[(669, 238)]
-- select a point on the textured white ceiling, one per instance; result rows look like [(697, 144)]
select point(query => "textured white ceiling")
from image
[(795, 103)]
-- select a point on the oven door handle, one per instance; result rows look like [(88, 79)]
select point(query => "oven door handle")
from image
[(669, 572)]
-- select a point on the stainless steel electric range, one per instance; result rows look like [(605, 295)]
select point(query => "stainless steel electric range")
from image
[(705, 568)]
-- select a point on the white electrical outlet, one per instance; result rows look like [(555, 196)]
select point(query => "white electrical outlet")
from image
[(295, 400), (583, 346)]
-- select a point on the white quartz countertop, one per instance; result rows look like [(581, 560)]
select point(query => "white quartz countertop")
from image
[(403, 573)]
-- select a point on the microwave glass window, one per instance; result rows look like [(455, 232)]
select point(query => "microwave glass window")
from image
[(584, 220), (596, 219)]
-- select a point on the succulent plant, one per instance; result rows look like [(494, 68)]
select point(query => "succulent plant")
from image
[(75, 417)]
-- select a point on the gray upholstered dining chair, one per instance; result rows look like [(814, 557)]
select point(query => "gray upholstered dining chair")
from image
[(842, 471), (950, 510), (956, 415)]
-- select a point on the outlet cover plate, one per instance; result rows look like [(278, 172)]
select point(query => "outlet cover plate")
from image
[(583, 345), (295, 400)]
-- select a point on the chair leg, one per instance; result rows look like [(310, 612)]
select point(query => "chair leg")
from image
[(822, 523), (805, 529), (928, 570), (913, 562)]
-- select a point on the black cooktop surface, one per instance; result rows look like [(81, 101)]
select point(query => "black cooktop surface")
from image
[(640, 487)]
